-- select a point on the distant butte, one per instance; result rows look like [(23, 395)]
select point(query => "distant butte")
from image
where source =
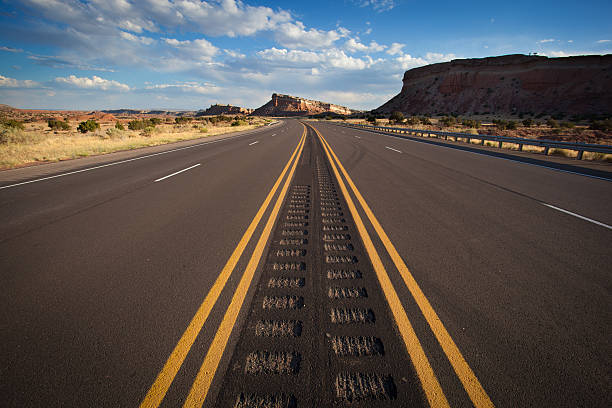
[(510, 84), (286, 105)]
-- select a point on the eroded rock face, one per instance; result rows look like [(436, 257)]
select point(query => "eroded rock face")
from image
[(509, 84), (226, 110), (286, 105)]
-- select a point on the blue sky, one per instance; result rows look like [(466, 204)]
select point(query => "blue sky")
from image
[(189, 54)]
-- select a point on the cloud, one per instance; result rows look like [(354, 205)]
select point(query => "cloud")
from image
[(10, 49), (131, 37), (378, 5), (353, 45), (189, 87), (351, 99), (6, 82), (557, 54), (53, 61), (602, 41), (94, 82), (548, 40), (199, 49), (332, 58), (395, 49), (295, 35)]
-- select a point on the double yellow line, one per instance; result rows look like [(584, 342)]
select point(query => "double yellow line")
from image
[(431, 386), (201, 386)]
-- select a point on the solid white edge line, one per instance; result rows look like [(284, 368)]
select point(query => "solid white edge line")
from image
[(577, 216), (255, 142), (395, 150), (488, 155), (125, 161), (174, 174)]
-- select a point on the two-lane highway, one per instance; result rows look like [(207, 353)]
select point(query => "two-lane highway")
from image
[(306, 265)]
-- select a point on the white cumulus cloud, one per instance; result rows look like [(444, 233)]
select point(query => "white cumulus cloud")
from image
[(295, 35), (6, 82), (395, 48), (95, 82), (353, 45)]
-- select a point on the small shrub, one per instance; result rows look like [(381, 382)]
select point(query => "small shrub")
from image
[(16, 135), (119, 126), (58, 124), (413, 120), (528, 122), (12, 123), (148, 131), (552, 123), (114, 133), (88, 126), (396, 117), (371, 119), (182, 119), (239, 123), (471, 123), (568, 125), (425, 120), (144, 123), (448, 121), (511, 125), (204, 130), (604, 125)]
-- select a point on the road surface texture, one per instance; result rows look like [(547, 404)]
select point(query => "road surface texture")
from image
[(302, 265)]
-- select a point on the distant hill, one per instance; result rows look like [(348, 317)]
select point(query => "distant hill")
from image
[(5, 108), (286, 105), (224, 110), (510, 84)]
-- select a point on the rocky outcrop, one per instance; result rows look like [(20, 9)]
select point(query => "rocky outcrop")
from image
[(508, 85), (286, 105), (225, 110)]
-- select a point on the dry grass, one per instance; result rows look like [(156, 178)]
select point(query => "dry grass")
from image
[(39, 144)]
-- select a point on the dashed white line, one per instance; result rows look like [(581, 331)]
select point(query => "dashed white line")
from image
[(395, 150), (358, 137), (577, 216), (123, 161), (255, 142), (178, 172), (273, 134)]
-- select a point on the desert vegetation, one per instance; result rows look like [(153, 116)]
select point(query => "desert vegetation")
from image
[(38, 139), (583, 129)]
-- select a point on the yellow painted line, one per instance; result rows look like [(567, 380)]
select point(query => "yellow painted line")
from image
[(158, 390), (429, 382), (207, 371), (470, 382)]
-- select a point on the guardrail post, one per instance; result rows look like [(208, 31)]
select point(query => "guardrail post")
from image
[(500, 145), (482, 142), (520, 147), (546, 150), (579, 157)]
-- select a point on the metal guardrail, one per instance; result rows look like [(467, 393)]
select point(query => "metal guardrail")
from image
[(547, 144)]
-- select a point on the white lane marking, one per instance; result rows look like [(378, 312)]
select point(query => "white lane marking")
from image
[(122, 161), (274, 134), (577, 216), (178, 172), (496, 157), (358, 137), (395, 150), (255, 142)]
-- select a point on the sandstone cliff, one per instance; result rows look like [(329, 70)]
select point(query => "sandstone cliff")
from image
[(285, 105), (225, 110), (510, 84)]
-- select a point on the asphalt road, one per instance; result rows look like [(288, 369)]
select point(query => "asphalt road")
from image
[(103, 271)]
